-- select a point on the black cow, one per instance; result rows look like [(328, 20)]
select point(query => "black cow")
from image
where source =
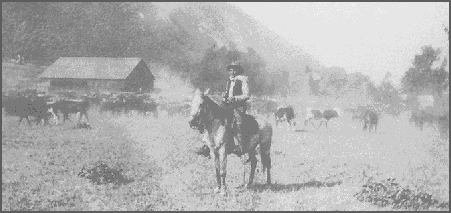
[(113, 104), (24, 107), (94, 99), (285, 113), (133, 103), (148, 106), (370, 120), (323, 115), (8, 103), (67, 107)]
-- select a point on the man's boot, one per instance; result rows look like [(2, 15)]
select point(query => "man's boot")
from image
[(239, 148), (239, 143)]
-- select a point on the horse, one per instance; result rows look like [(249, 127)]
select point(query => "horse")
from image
[(206, 115)]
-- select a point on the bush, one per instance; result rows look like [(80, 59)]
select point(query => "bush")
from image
[(389, 192)]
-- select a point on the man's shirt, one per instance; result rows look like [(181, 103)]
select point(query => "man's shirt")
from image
[(239, 93)]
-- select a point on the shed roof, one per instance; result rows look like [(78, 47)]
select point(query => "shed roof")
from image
[(91, 68)]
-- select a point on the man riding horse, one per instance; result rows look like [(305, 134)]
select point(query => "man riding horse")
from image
[(235, 101)]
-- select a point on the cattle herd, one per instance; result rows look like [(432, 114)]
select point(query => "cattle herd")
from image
[(42, 107), (368, 116)]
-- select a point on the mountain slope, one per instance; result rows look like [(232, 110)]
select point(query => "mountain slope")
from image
[(227, 24)]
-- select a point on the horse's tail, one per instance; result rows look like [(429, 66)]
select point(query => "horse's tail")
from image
[(265, 147)]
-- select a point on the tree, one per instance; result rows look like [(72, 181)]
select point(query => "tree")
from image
[(422, 77), (388, 94), (45, 31), (254, 65)]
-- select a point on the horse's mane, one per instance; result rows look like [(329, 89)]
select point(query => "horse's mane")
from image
[(211, 104), (214, 109)]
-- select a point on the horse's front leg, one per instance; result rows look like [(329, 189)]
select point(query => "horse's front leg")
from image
[(220, 170), (217, 170), (223, 169)]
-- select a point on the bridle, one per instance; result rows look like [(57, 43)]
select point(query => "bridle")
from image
[(197, 121)]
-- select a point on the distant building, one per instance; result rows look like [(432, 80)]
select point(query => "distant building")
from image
[(98, 74)]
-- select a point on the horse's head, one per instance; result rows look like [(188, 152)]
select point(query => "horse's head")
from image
[(198, 109)]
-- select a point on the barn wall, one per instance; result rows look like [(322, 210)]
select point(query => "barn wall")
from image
[(140, 77), (101, 85), (86, 85), (43, 86)]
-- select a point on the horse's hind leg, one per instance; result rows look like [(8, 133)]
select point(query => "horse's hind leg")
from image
[(265, 152), (253, 160)]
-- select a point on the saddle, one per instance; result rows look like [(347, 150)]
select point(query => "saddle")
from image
[(250, 125)]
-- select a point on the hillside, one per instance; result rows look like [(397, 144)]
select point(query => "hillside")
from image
[(181, 36), (227, 25), (19, 77)]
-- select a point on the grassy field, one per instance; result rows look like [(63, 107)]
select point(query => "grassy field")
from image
[(312, 169)]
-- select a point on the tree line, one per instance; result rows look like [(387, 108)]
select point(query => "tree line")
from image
[(427, 75), (45, 31)]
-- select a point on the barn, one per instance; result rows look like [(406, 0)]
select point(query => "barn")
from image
[(98, 74)]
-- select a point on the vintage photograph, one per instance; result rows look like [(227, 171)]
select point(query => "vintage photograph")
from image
[(225, 106)]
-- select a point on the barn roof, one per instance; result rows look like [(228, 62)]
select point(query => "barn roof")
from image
[(91, 68)]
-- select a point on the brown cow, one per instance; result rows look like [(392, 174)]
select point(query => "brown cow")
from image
[(323, 115), (370, 120)]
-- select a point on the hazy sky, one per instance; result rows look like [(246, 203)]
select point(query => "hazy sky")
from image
[(372, 37)]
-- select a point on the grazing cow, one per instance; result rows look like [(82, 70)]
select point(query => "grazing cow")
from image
[(370, 120), (24, 107), (114, 105), (133, 103), (94, 99), (323, 115), (174, 108), (285, 113), (148, 106), (71, 106), (357, 113), (8, 103), (420, 117)]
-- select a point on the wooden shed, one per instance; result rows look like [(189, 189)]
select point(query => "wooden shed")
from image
[(98, 74)]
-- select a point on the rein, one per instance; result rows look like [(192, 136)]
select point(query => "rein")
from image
[(209, 111)]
